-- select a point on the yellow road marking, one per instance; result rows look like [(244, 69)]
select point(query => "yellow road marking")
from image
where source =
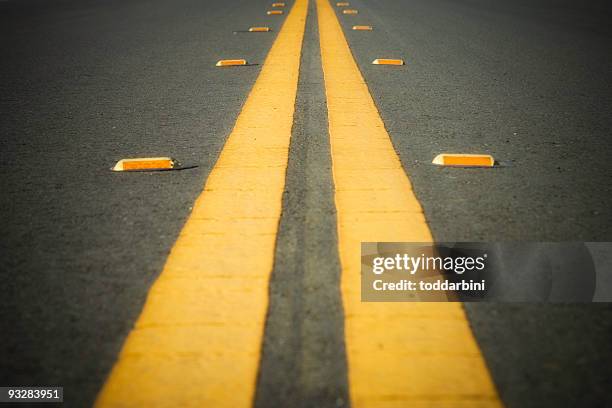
[(259, 29), (198, 339), (231, 62), (362, 28), (464, 159), (387, 61), (144, 163), (399, 354)]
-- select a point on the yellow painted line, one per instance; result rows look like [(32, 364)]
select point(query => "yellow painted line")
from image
[(278, 4), (197, 341), (399, 354), (275, 12), (464, 160)]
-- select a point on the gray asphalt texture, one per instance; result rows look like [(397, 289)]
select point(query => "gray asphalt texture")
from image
[(303, 361), (85, 83), (526, 81), (530, 83)]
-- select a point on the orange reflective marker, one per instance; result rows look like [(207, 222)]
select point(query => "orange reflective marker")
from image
[(259, 29), (464, 160), (350, 11), (146, 163), (387, 61), (275, 12), (362, 28), (278, 4), (342, 4), (231, 62)]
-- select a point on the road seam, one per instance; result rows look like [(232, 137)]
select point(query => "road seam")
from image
[(197, 341), (398, 353), (303, 358)]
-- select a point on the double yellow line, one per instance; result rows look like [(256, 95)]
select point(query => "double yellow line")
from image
[(198, 339)]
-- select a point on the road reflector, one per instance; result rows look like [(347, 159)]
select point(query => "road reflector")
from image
[(387, 61), (146, 163), (362, 28), (259, 29), (464, 160), (231, 62), (350, 11), (275, 12), (342, 4), (278, 4)]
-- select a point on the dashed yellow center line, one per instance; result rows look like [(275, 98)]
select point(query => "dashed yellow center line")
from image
[(197, 341), (399, 354)]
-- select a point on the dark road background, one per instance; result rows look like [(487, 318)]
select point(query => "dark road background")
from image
[(85, 83)]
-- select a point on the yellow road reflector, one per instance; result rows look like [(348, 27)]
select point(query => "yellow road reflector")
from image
[(350, 11), (146, 163), (275, 12), (231, 62), (387, 61), (362, 28), (342, 4), (465, 160), (259, 29), (278, 4)]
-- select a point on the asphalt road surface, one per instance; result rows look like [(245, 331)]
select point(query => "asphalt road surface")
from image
[(84, 83)]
